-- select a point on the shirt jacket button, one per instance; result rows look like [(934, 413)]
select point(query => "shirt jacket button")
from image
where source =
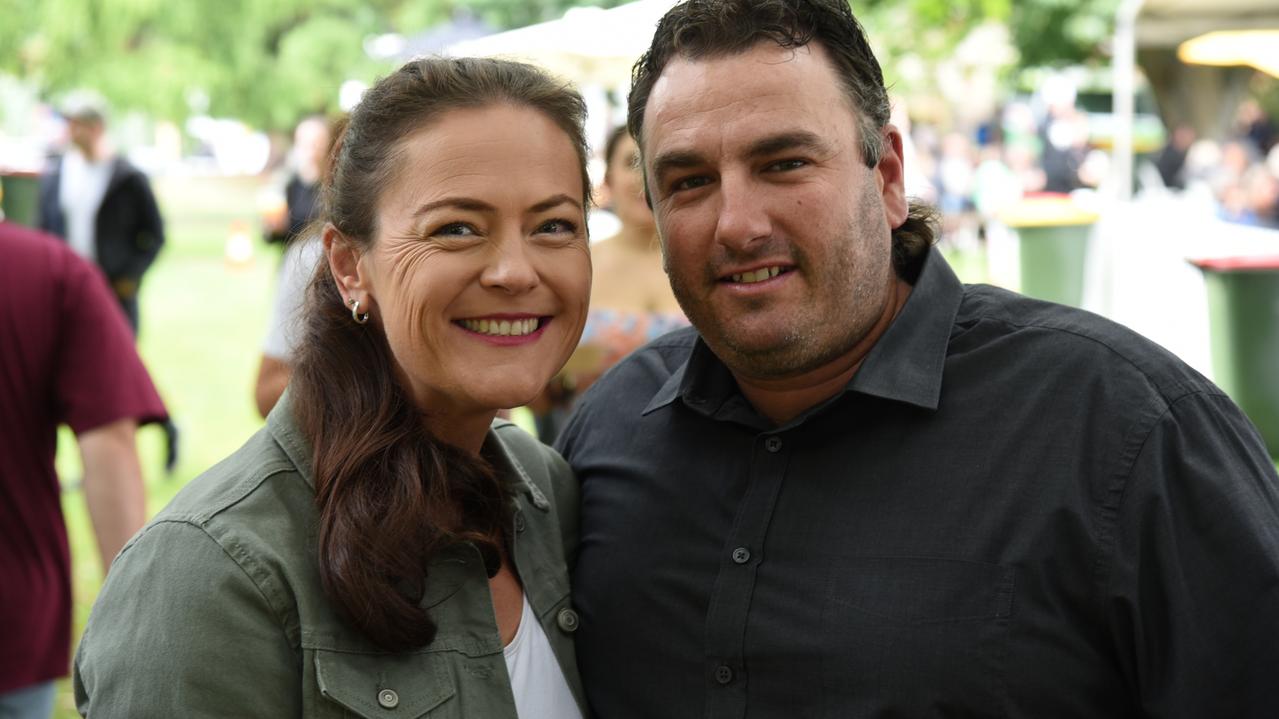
[(741, 555), (567, 619), (773, 444), (388, 699), (723, 674)]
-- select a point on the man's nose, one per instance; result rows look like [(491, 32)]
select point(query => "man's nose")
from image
[(743, 216)]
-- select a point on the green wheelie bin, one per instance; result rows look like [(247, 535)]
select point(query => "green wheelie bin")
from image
[(1052, 233), (21, 197), (1243, 317)]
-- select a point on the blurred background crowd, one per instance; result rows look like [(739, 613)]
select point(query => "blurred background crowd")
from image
[(1140, 136)]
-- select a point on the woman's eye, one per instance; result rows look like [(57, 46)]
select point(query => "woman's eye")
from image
[(557, 227), (455, 229)]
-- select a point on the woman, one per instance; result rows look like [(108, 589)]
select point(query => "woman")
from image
[(378, 549), (631, 299)]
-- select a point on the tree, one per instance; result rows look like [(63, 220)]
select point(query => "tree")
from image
[(267, 63)]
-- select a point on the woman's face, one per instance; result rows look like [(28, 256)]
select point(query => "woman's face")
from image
[(480, 273), (626, 185)]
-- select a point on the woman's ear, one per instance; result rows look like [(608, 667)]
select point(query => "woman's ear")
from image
[(349, 272)]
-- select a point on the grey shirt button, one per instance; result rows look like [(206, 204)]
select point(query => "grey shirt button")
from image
[(520, 522), (567, 619), (723, 674), (741, 555), (388, 699), (773, 444)]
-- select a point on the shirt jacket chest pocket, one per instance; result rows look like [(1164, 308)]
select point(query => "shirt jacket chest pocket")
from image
[(925, 636)]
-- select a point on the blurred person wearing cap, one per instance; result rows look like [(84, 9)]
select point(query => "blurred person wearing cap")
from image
[(857, 487), (68, 358), (102, 206)]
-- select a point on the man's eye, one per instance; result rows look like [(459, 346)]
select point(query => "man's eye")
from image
[(557, 227), (455, 229), (784, 165), (689, 183)]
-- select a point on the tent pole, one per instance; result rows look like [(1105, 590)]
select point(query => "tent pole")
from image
[(1124, 69)]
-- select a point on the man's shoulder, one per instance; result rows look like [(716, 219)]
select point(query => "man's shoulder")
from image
[(644, 371), (1025, 329), (124, 171), (32, 255), (620, 396)]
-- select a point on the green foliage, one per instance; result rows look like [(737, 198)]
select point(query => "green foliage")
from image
[(269, 62), (1045, 32), (1062, 32), (266, 62)]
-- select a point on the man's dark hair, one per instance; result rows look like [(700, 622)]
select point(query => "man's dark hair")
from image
[(700, 29)]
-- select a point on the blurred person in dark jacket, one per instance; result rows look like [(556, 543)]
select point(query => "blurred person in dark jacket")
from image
[(102, 206)]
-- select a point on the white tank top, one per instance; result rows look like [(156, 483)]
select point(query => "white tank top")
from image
[(541, 691)]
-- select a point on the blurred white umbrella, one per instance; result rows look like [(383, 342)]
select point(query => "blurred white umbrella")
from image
[(588, 45)]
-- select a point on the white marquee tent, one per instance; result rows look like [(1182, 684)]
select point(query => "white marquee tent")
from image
[(589, 45)]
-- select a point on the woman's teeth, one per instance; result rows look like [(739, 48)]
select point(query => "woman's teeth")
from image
[(503, 328), (757, 276)]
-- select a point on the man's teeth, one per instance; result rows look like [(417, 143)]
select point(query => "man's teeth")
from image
[(513, 328), (757, 276)]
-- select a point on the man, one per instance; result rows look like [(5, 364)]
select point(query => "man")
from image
[(860, 488), (103, 207), (68, 358)]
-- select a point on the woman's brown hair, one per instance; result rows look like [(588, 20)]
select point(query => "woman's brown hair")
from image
[(390, 495)]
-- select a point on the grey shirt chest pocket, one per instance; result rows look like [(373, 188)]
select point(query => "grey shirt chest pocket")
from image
[(922, 636), (403, 686), (914, 591)]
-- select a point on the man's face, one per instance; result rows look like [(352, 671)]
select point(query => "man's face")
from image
[(776, 234), (84, 134)]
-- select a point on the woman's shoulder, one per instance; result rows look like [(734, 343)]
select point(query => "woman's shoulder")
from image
[(536, 461), (258, 473), (548, 480), (252, 514), (235, 540)]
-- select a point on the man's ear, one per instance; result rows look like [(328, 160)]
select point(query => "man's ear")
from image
[(890, 174), (349, 272)]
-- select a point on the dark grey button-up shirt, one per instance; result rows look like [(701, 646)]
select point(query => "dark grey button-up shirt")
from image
[(1013, 509)]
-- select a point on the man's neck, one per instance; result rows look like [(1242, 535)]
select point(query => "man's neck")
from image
[(92, 154), (781, 400)]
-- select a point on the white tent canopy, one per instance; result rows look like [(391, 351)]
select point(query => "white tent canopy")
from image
[(1168, 23), (589, 45)]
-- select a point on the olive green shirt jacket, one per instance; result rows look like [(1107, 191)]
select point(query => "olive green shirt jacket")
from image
[(215, 608)]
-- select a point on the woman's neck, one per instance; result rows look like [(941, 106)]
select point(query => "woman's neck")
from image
[(466, 433)]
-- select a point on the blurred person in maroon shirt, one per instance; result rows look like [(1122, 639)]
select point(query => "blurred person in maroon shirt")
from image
[(66, 357)]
